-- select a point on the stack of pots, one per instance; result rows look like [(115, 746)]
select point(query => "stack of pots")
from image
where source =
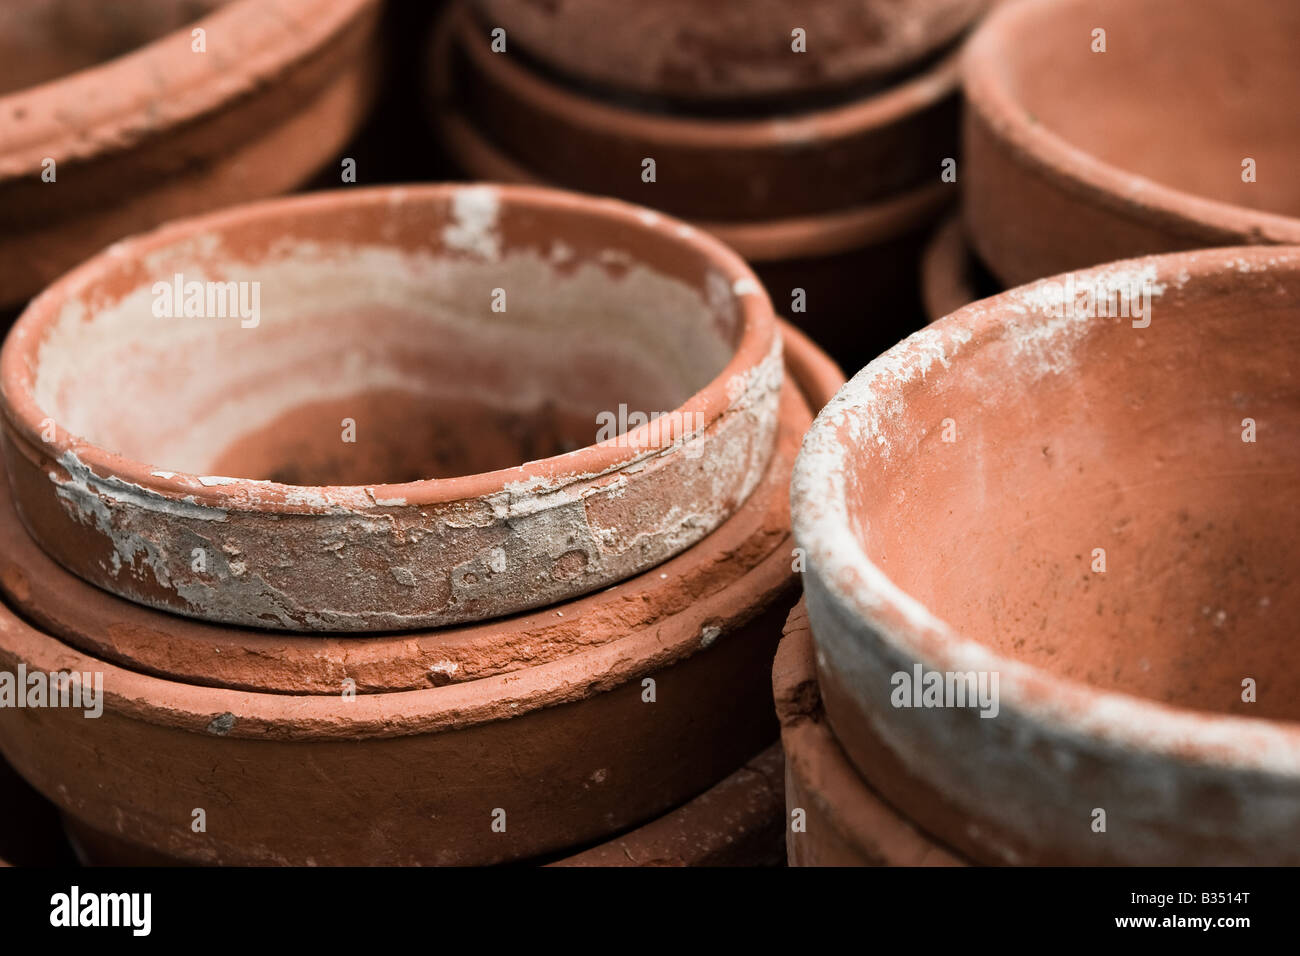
[(1050, 582), (814, 141), (1090, 136), (398, 565), (117, 117)]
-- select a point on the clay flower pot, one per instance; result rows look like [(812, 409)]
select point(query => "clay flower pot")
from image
[(319, 461), (141, 127), (1050, 562), (1074, 157), (951, 276), (819, 161), (153, 642), (843, 821), (732, 51)]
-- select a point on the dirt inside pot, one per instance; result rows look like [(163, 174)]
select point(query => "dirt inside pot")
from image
[(1116, 505), (1183, 94), (357, 365), (42, 40)]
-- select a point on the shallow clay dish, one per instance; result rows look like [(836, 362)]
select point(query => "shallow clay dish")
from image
[(350, 457), (1068, 505), (951, 276), (570, 752), (143, 129), (1074, 157), (198, 652), (820, 161), (845, 823), (731, 51)]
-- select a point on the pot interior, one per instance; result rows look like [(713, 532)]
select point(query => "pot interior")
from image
[(42, 40), (1183, 93), (346, 343), (1046, 441)]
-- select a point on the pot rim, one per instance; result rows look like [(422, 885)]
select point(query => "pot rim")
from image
[(20, 352), (770, 240), (987, 91), (921, 91), (120, 97), (883, 612)]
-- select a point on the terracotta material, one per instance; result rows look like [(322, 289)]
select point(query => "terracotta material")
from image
[(211, 472), (144, 129), (1094, 533), (731, 51), (951, 276), (1074, 157), (844, 821), (820, 161), (570, 750), (197, 652), (858, 268)]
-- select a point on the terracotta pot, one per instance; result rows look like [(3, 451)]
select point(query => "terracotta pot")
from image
[(951, 276), (843, 821), (821, 161), (1066, 167), (353, 420), (1082, 512), (732, 51), (196, 652), (857, 268), (143, 129), (570, 750)]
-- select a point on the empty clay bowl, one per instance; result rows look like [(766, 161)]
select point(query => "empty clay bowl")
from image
[(1052, 566), (432, 405), (951, 276), (731, 50), (820, 161), (1075, 157), (115, 117), (833, 817)]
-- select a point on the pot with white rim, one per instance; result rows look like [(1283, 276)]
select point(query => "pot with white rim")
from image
[(114, 120), (1089, 136), (241, 466), (1050, 557)]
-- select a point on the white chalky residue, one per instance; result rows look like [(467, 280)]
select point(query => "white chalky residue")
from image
[(708, 635), (474, 211)]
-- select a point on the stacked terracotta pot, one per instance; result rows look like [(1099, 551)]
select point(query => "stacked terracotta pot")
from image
[(1091, 136), (402, 563), (818, 140)]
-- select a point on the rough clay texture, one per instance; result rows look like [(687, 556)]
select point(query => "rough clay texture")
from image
[(1123, 689), (383, 324), (1072, 157), (844, 821)]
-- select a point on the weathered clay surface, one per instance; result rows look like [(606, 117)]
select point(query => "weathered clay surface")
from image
[(951, 276), (205, 465), (843, 821), (571, 751), (162, 131), (165, 645), (817, 161), (1074, 157), (955, 499), (732, 50)]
